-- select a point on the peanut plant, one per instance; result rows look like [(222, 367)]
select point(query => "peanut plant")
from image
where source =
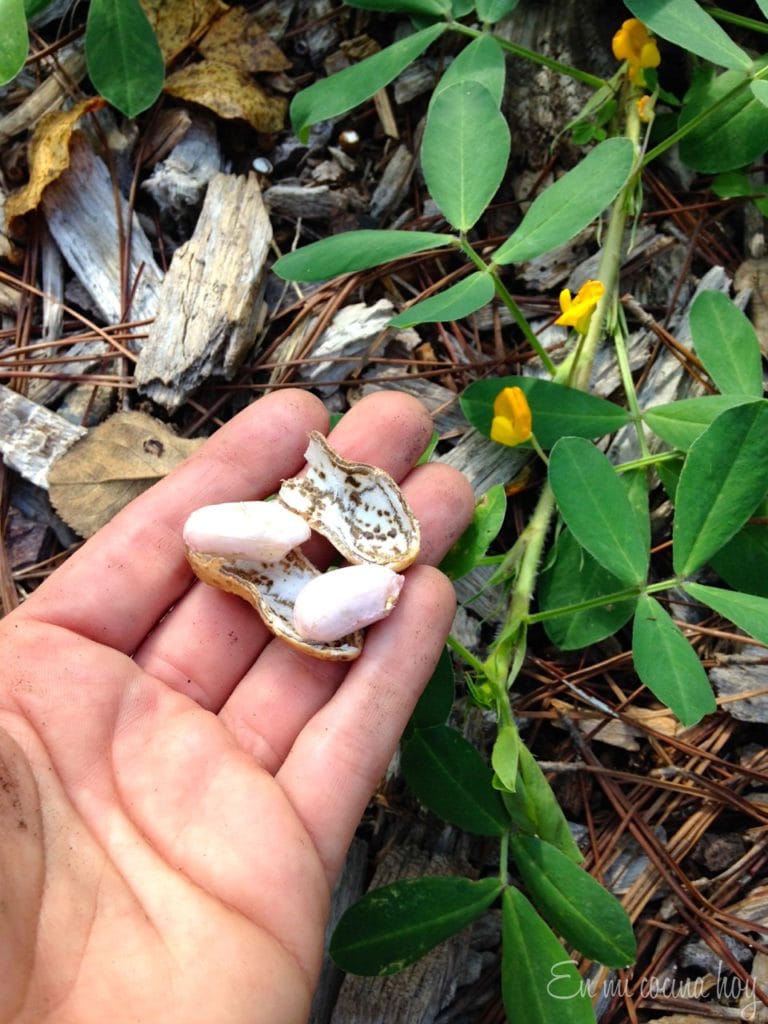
[(582, 566)]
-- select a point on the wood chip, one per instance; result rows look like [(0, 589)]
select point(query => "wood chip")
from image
[(32, 437), (80, 209), (208, 315)]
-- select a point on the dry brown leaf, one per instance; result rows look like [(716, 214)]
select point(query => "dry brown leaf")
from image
[(228, 92), (48, 155), (179, 24), (237, 39), (111, 466)]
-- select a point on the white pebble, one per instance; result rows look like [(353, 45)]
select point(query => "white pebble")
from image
[(341, 601), (257, 531)]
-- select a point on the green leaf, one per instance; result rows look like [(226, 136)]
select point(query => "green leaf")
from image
[(724, 477), (688, 25), (491, 11), (574, 904), (557, 410), (574, 201), (487, 520), (14, 39), (450, 777), (392, 927), (123, 55), (464, 121), (482, 62), (680, 423), (760, 90), (668, 665), (571, 577), (345, 90), (539, 981), (455, 302), (746, 611), (354, 250), (505, 756), (727, 344), (594, 504), (733, 135), (434, 705), (424, 8), (534, 809), (743, 562)]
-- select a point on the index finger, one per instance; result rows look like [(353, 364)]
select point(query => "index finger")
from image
[(122, 581)]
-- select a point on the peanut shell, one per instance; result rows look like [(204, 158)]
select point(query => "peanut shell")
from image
[(357, 507)]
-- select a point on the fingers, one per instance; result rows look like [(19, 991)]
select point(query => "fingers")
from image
[(342, 753), (117, 586), (210, 639), (284, 689)]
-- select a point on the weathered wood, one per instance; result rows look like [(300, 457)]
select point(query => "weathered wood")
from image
[(67, 68), (32, 437), (348, 889), (293, 200), (80, 209), (178, 183), (210, 302), (349, 338)]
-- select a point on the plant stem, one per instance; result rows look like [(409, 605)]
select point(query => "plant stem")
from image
[(599, 602), (647, 460), (737, 19), (465, 655), (504, 859), (509, 302), (625, 372), (535, 58)]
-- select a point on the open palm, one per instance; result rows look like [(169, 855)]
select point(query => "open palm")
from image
[(177, 788)]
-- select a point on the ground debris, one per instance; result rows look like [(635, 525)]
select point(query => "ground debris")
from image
[(208, 316)]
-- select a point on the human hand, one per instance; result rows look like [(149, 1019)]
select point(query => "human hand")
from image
[(177, 788)]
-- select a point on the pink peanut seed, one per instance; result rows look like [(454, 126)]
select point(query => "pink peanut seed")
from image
[(339, 602)]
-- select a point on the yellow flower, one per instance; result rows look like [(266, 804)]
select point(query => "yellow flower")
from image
[(511, 417), (577, 312), (637, 47), (645, 109)]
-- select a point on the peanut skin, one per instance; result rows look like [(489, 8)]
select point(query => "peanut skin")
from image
[(342, 601)]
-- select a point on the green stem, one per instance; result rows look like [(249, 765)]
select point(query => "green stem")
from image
[(647, 460), (625, 372), (737, 19), (459, 648), (599, 602), (536, 58), (509, 302), (504, 859)]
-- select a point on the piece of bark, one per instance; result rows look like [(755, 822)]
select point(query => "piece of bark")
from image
[(32, 437), (744, 691), (90, 354), (67, 68), (343, 345), (294, 201), (211, 298), (393, 183), (349, 888), (178, 183), (80, 209), (418, 993)]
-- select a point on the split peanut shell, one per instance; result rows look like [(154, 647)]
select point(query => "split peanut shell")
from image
[(271, 588), (357, 507)]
